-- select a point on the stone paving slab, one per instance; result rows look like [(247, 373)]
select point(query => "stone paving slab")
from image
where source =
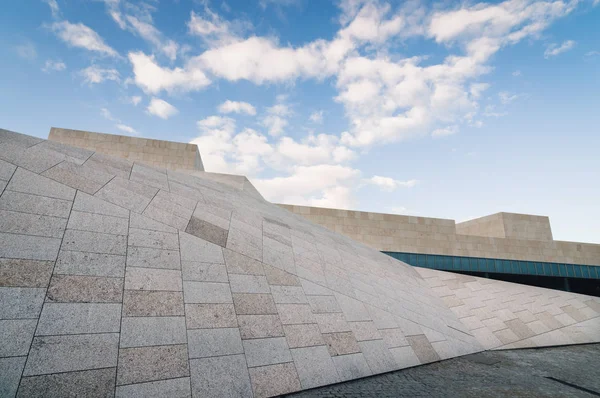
[(25, 273), (79, 318), (35, 204), (85, 383), (143, 364)]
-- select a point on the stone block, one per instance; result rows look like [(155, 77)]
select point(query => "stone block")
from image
[(207, 231), (25, 273), (240, 264), (98, 223), (27, 182), (20, 302), (153, 239), (423, 348), (204, 272), (260, 352), (332, 323), (202, 316), (244, 243), (143, 364), (214, 342), (146, 257), (16, 336), (35, 204), (85, 289), (31, 224), (352, 366), (259, 326), (152, 303), (303, 335), (315, 367), (394, 337), (81, 177), (90, 264), (33, 158), (152, 279), (97, 383), (341, 343), (28, 247), (79, 318), (196, 249), (127, 194), (323, 304), (248, 284), (214, 215), (365, 330), (225, 376), (293, 314), (274, 380), (172, 388), (11, 370), (254, 304), (139, 221), (94, 242), (152, 331), (206, 293), (379, 358), (276, 276)]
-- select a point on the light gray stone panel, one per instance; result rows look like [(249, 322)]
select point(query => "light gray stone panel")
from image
[(79, 318), (110, 164), (151, 331), (127, 194), (141, 222), (27, 182), (98, 223), (288, 295), (28, 247), (351, 366), (153, 239), (196, 249), (276, 276), (244, 243), (97, 383), (204, 272), (149, 176), (206, 293), (379, 358), (240, 264), (91, 204), (281, 259), (249, 284), (85, 289), (303, 335), (16, 336), (25, 273), (225, 376), (365, 330), (323, 304), (259, 326), (22, 140), (164, 215), (207, 231), (214, 215), (405, 357), (54, 354), (152, 303), (31, 224), (90, 264), (269, 351), (6, 170), (21, 302), (35, 204), (94, 242), (146, 257), (172, 388), (394, 337), (143, 364), (315, 367), (204, 343), (341, 343), (203, 316), (354, 310), (32, 158), (274, 380), (254, 304), (152, 279), (423, 348), (11, 370), (71, 153), (294, 314), (82, 178)]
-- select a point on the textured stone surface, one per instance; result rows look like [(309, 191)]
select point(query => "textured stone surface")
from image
[(11, 370), (16, 336), (341, 343), (207, 231), (152, 279), (28, 247), (260, 352), (202, 316), (142, 364), (21, 303), (172, 388), (315, 367), (90, 264), (254, 304), (35, 204), (152, 303), (225, 376), (25, 273), (303, 335), (214, 342), (152, 331), (259, 326), (272, 380), (153, 258), (98, 383), (79, 318), (85, 289), (206, 293)]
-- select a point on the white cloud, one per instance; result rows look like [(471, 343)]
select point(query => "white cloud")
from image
[(517, 73), (27, 51), (554, 49), (107, 115), (127, 129), (149, 33), (161, 108), (389, 184), (276, 119), (445, 131), (237, 107), (316, 117), (320, 149), (135, 100), (152, 78), (54, 65), (478, 88), (79, 35), (592, 53), (94, 74), (506, 97), (53, 7), (398, 209)]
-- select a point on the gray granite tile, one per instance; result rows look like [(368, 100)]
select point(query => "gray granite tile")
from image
[(151, 331), (170, 209), (91, 204), (152, 303), (351, 366), (141, 222), (207, 231), (248, 284), (127, 194), (96, 383), (164, 215), (32, 158), (185, 191), (196, 249), (214, 215), (273, 380), (146, 257), (303, 335), (206, 293), (21, 302), (254, 304), (275, 276), (240, 264), (365, 330), (71, 153), (35, 204), (18, 138), (269, 351), (16, 336), (79, 318), (225, 376), (149, 176), (11, 370), (85, 289), (94, 242), (152, 279), (393, 337), (281, 259), (54, 354), (153, 239), (6, 170), (172, 388), (27, 182), (202, 316), (405, 357), (341, 343), (143, 364), (90, 264), (315, 367), (31, 224), (323, 304), (354, 310), (244, 243), (423, 348), (214, 342), (184, 205), (91, 222), (294, 314), (204, 272), (110, 164), (28, 247), (25, 273), (288, 295), (521, 329), (81, 177), (259, 326), (379, 358)]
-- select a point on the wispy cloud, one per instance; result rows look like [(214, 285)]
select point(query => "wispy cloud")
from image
[(81, 36), (94, 74), (237, 107), (54, 66), (26, 51), (389, 184), (160, 108), (554, 49)]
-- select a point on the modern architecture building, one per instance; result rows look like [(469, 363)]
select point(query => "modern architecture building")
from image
[(122, 279)]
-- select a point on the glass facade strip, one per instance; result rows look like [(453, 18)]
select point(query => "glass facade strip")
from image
[(473, 264)]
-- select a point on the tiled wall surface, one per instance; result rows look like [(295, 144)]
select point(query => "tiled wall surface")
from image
[(397, 233), (170, 155), (508, 225)]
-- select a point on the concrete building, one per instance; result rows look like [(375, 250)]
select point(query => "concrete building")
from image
[(122, 279)]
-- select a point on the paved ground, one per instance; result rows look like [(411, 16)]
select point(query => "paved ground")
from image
[(548, 372)]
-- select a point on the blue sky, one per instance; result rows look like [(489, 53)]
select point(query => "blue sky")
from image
[(436, 109)]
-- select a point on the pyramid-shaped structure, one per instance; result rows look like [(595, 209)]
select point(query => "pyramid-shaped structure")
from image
[(122, 279)]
